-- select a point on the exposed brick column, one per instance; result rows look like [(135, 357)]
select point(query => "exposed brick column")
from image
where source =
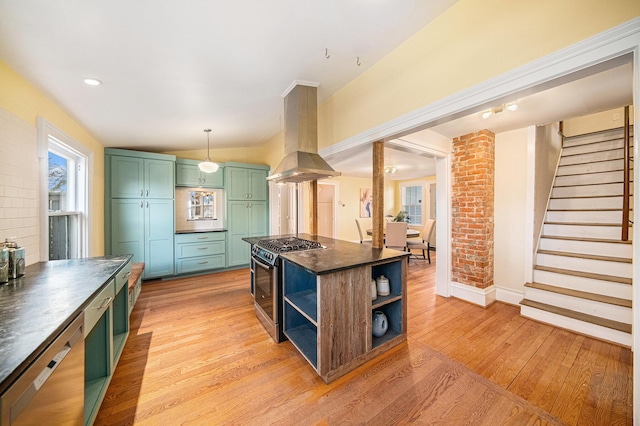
[(473, 172)]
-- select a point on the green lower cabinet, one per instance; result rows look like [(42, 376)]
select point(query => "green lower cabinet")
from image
[(145, 229), (106, 324), (159, 233), (199, 252), (244, 219)]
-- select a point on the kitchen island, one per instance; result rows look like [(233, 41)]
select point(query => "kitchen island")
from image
[(328, 306), (38, 307)]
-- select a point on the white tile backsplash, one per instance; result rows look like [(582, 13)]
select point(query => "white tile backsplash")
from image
[(19, 184)]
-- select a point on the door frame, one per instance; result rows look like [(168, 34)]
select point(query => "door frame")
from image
[(586, 57), (336, 189)]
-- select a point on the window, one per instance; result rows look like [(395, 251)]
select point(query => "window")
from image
[(412, 203), (65, 214)]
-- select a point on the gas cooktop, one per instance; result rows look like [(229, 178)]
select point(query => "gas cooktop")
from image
[(284, 245)]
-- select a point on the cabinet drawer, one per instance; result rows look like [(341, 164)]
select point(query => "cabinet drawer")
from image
[(201, 264), (98, 306), (199, 237), (200, 249), (122, 277)]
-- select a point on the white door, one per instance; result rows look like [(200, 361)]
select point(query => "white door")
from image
[(326, 209)]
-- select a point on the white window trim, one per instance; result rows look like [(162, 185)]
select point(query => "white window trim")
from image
[(46, 129), (421, 184)]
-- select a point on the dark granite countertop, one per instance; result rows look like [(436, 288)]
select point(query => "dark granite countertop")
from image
[(35, 308), (336, 256)]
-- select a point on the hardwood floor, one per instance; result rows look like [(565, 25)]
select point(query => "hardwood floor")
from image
[(197, 355)]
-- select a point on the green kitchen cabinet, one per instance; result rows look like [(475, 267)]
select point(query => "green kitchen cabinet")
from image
[(139, 209), (245, 219), (247, 208), (133, 177), (200, 251), (246, 182), (188, 174)]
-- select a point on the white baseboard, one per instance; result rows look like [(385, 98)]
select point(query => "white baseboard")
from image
[(478, 296), (509, 296)]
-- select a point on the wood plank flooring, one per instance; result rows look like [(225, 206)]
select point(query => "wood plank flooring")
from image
[(197, 355)]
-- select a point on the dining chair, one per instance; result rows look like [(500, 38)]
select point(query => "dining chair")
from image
[(362, 239), (424, 243), (396, 236)]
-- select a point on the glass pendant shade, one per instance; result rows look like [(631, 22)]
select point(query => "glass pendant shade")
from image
[(207, 166)]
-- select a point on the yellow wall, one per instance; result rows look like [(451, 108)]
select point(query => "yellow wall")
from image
[(25, 102), (468, 44), (349, 195), (595, 122)]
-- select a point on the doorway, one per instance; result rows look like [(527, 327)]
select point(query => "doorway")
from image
[(327, 208)]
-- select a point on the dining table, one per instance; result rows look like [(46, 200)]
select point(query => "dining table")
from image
[(411, 233)]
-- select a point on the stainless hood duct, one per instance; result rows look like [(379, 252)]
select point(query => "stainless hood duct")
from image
[(301, 162)]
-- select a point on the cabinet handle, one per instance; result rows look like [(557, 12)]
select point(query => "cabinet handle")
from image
[(141, 193), (105, 303), (203, 263), (141, 204), (147, 193), (203, 238), (250, 195), (127, 275), (147, 204), (203, 248)]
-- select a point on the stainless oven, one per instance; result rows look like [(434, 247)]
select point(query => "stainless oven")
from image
[(266, 279), (266, 283)]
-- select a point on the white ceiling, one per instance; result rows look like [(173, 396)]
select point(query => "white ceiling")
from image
[(171, 69)]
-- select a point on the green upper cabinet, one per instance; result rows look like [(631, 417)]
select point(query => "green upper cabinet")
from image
[(188, 174), (246, 182), (133, 177)]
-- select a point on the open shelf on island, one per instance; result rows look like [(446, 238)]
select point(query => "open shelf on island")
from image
[(391, 270), (302, 333), (306, 302), (377, 341), (383, 300), (393, 312)]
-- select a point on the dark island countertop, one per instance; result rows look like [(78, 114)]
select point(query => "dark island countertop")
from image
[(336, 256), (36, 308)]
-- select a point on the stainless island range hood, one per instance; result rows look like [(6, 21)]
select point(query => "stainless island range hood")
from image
[(301, 162)]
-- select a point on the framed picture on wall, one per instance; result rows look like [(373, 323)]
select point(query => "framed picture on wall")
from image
[(366, 200)]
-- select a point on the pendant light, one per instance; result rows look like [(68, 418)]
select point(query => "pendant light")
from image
[(207, 166)]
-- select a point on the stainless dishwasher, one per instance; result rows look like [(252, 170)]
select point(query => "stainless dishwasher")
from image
[(51, 391)]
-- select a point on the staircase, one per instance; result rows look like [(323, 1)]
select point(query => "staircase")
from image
[(582, 278)]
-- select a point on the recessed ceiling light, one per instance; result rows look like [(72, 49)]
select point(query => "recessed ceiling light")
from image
[(487, 114), (92, 82)]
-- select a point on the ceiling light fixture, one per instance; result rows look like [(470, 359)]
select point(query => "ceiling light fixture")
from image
[(207, 166), (390, 169), (511, 106), (92, 82)]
